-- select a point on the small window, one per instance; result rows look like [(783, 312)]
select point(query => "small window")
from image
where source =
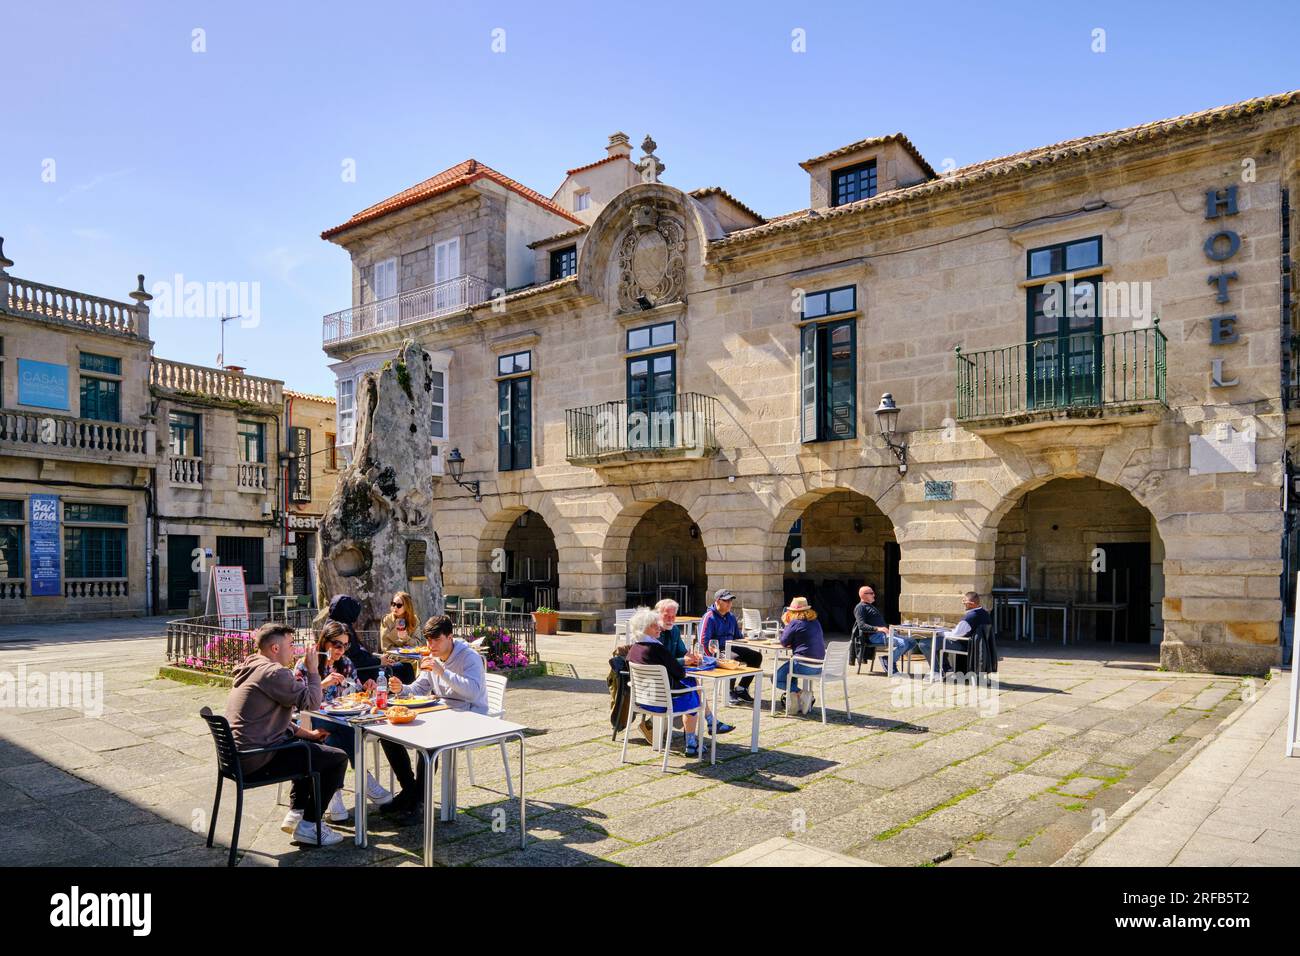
[(100, 397), (184, 433), (103, 514), (514, 363), (853, 183), (651, 336), (331, 452), (1065, 257), (251, 437), (11, 539), (107, 364), (830, 302), (346, 387), (244, 552), (437, 406), (582, 200), (564, 262)]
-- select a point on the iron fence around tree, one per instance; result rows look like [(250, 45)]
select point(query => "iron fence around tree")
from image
[(509, 638)]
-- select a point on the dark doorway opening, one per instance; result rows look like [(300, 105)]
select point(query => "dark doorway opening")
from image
[(1127, 577), (181, 576)]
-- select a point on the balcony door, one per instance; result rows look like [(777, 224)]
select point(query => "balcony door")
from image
[(385, 288), (1063, 355), (447, 295), (651, 401)]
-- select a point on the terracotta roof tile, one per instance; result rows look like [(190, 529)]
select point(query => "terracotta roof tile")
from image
[(874, 141), (307, 396), (1024, 161), (567, 234), (462, 174), (599, 162), (719, 191)]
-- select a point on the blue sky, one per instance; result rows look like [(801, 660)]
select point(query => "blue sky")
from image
[(225, 165)]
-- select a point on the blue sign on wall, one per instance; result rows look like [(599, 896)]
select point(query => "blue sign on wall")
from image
[(47, 568), (42, 384)]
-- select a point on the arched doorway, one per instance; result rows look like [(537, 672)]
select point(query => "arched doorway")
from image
[(666, 558), (838, 541), (1087, 544), (531, 564)]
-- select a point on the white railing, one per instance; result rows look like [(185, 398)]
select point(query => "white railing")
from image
[(213, 382), (51, 302), (184, 470), (395, 311), (78, 434), (94, 588), (13, 590), (251, 476)]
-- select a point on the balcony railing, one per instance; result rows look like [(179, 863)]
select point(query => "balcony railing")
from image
[(1079, 372), (13, 589), (251, 476), (427, 302), (185, 471), (50, 302), (213, 383), (59, 436), (667, 426), (91, 588)]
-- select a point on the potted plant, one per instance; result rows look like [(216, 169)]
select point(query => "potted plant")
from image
[(546, 619)]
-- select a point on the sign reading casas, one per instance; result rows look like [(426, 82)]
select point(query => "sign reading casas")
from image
[(300, 465), (42, 384)]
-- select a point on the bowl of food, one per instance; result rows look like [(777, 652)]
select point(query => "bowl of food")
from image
[(400, 715), (729, 665)]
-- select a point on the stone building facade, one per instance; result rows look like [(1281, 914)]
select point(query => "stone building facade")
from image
[(309, 483), (1088, 344)]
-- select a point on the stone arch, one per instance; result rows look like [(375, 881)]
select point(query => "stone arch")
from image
[(490, 531)]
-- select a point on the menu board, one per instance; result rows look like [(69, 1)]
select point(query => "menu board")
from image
[(232, 601)]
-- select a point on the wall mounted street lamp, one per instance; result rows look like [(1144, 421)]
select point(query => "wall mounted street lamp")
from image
[(887, 420), (456, 465)]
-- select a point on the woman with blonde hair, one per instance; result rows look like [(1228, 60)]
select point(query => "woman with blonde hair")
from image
[(400, 628), (803, 635)]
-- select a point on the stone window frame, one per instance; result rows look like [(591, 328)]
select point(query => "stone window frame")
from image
[(581, 200), (74, 524), (851, 317), (856, 170), (97, 375), (559, 269), (241, 442)]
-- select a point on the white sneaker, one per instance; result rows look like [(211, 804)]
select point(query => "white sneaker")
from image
[(805, 700), (338, 811), (305, 832), (291, 821), (376, 792)]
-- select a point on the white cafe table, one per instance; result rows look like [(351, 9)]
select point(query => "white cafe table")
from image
[(434, 734), (718, 676), (920, 632), (774, 650)]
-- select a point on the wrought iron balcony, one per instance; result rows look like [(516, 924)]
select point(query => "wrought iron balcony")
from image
[(396, 311), (1088, 375), (665, 426)]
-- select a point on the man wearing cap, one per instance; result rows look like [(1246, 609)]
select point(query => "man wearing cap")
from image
[(719, 624)]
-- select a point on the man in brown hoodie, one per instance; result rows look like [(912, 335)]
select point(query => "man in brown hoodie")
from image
[(260, 708)]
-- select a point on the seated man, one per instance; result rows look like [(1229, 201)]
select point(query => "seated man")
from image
[(974, 618), (452, 671), (263, 694), (869, 626)]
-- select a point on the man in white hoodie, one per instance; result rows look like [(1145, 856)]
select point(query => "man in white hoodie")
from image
[(453, 671)]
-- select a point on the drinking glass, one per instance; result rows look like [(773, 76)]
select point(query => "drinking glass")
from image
[(713, 649)]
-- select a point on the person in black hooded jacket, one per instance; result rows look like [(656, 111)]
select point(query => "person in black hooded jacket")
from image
[(346, 609)]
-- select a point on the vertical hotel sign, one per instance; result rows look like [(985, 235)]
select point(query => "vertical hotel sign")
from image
[(300, 467), (45, 550)]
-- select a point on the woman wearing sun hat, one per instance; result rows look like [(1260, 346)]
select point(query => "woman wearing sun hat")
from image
[(803, 635)]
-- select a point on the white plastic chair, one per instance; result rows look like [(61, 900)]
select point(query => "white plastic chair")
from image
[(621, 617), (496, 694), (753, 625), (649, 688), (835, 666)]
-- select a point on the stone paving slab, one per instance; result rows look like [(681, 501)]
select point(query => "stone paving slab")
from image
[(906, 779)]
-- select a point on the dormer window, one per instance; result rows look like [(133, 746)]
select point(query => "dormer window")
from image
[(581, 200), (853, 183), (564, 262)]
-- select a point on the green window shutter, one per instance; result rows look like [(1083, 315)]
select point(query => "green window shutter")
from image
[(839, 356), (808, 384), (521, 423)]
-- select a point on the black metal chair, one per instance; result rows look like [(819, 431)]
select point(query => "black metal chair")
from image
[(230, 768), (979, 649)]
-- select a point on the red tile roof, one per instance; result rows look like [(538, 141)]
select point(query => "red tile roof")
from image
[(599, 162), (874, 141), (462, 174)]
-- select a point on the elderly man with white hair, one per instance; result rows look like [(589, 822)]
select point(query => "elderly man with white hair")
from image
[(648, 649)]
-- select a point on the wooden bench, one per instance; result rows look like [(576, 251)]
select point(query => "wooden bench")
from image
[(588, 621)]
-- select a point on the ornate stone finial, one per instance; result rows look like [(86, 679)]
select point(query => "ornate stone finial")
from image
[(650, 168), (140, 296), (4, 263)]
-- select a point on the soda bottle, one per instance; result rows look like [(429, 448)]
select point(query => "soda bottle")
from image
[(381, 691)]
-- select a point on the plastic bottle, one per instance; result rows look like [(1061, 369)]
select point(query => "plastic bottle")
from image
[(381, 691)]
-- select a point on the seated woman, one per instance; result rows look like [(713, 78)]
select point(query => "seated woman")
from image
[(803, 635), (671, 638), (338, 674), (649, 650), (399, 628), (452, 671)]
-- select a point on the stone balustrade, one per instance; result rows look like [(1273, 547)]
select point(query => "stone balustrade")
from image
[(92, 588), (185, 471), (251, 477), (213, 383), (37, 300), (36, 432), (13, 590)]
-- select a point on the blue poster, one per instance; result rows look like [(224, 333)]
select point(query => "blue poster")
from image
[(47, 568), (42, 384)]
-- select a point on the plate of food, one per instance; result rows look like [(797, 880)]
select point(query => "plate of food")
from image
[(344, 708), (400, 715), (410, 652), (414, 703)]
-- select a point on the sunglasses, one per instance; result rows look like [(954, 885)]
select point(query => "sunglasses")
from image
[(340, 645), (396, 604)]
